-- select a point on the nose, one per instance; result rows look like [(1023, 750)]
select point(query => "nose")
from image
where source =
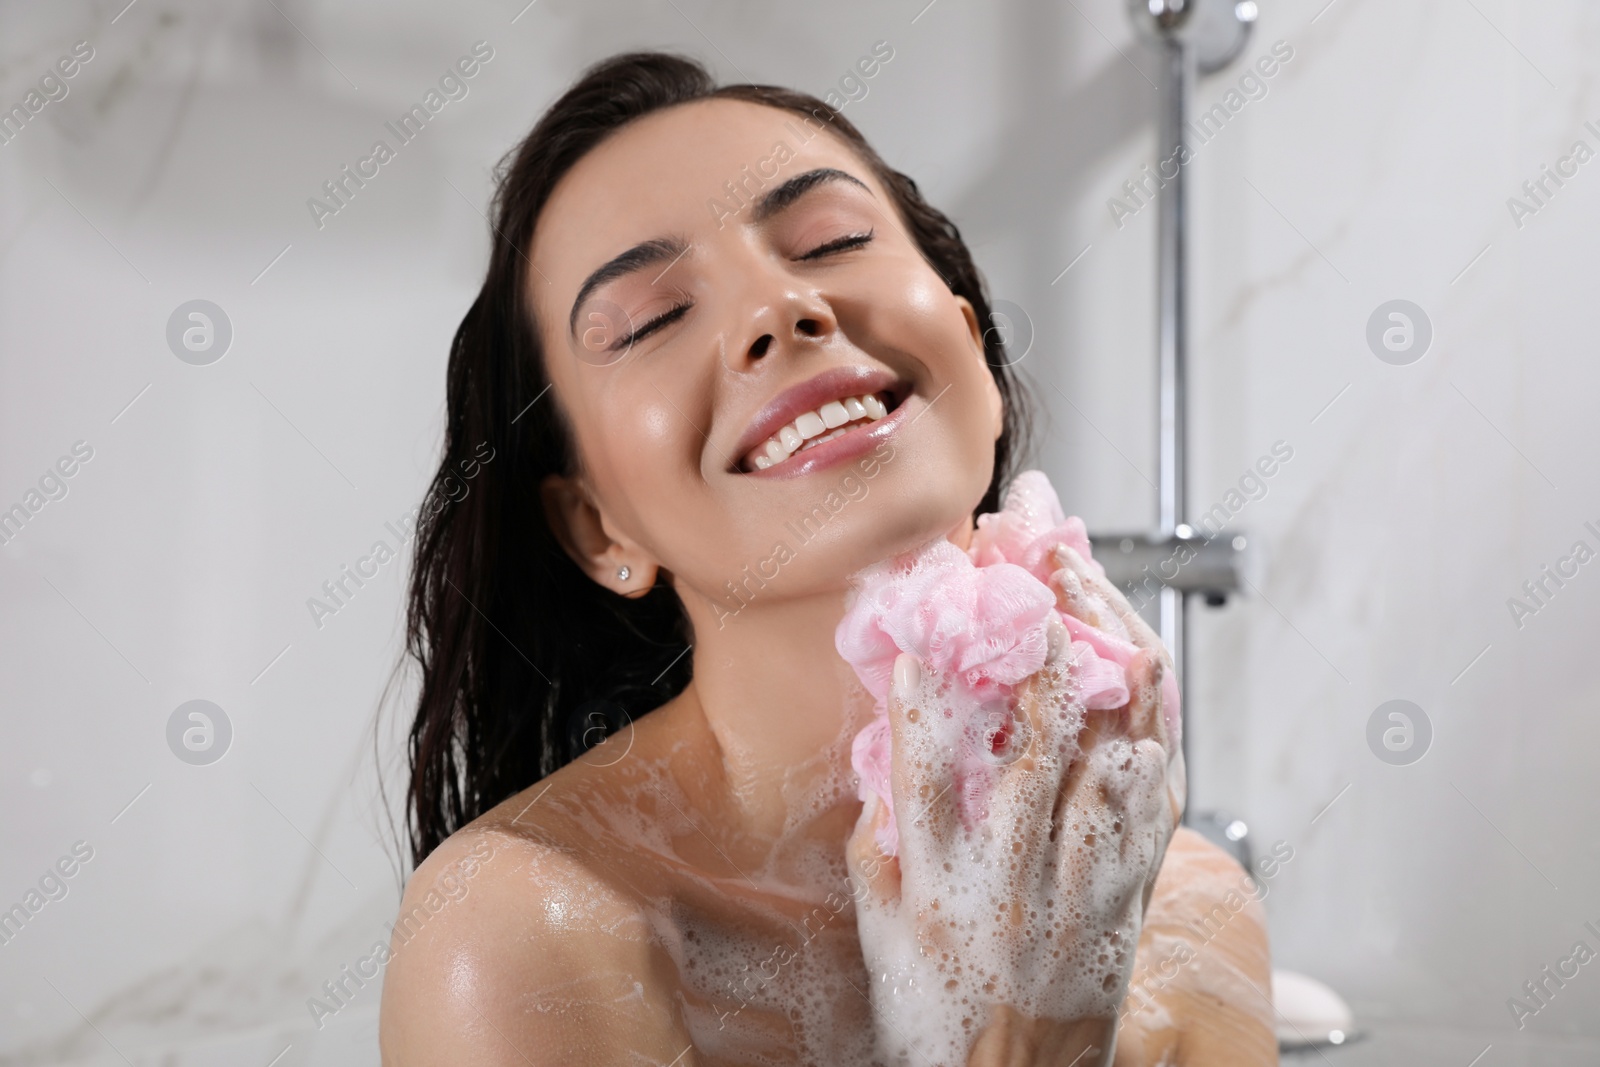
[(778, 313)]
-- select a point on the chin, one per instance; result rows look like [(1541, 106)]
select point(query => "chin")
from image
[(898, 516)]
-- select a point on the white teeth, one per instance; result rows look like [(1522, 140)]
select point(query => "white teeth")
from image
[(825, 437), (814, 427)]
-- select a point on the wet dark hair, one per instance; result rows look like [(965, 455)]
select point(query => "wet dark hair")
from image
[(525, 662)]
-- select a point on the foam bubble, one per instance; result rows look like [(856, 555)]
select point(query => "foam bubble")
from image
[(767, 959), (997, 911), (794, 958)]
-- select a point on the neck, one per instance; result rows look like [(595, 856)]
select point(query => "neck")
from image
[(779, 707), (776, 707)]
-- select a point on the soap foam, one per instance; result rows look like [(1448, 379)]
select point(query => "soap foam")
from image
[(1046, 923), (981, 617), (757, 953), (770, 959), (1067, 950)]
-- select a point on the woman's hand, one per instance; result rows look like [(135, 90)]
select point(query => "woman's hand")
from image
[(1011, 941)]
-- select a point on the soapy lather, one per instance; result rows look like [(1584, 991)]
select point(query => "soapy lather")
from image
[(980, 617)]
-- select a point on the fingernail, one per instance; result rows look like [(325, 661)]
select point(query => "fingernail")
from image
[(1056, 636), (907, 672), (1069, 581)]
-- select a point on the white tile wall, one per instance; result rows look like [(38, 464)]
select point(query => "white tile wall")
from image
[(1376, 166)]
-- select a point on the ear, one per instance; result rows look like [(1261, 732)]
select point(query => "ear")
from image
[(975, 332), (588, 537)]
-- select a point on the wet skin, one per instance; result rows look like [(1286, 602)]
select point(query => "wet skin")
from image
[(711, 835)]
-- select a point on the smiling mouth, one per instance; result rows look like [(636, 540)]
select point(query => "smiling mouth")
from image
[(833, 419)]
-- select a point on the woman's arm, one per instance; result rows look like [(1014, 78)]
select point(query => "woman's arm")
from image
[(1202, 979), (509, 952)]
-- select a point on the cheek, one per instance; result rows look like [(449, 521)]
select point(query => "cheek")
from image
[(657, 424), (913, 310), (647, 457), (907, 307), (645, 444), (632, 440), (927, 299), (636, 424), (936, 333), (651, 445)]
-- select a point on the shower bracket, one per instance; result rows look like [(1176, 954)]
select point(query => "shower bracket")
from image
[(1185, 560)]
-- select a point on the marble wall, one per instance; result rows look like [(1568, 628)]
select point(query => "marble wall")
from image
[(1384, 159)]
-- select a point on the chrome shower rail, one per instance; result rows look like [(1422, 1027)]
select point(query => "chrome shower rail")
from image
[(1192, 37)]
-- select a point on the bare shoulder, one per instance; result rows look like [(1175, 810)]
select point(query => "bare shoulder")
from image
[(510, 948), (1202, 981)]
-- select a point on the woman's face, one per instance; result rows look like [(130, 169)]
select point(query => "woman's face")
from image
[(719, 276)]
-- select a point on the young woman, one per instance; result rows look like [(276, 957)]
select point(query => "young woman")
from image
[(632, 805)]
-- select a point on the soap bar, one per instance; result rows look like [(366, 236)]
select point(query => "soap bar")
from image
[(981, 619)]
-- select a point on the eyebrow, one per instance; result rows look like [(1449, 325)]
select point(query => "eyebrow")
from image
[(798, 186), (670, 249), (645, 254)]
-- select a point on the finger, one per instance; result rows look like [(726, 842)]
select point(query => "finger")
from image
[(1145, 674), (1142, 799), (1115, 824), (1052, 721), (1077, 783), (1138, 720), (874, 876), (1040, 706), (1142, 636), (1095, 583), (1166, 695), (1139, 631), (922, 765), (1073, 599), (1076, 813), (1130, 719), (1177, 784)]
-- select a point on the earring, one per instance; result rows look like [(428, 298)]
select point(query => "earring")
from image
[(623, 572)]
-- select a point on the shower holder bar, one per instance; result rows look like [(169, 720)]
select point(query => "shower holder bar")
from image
[(1190, 38), (1140, 564), (1215, 31)]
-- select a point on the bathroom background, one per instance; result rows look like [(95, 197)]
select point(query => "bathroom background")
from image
[(217, 481)]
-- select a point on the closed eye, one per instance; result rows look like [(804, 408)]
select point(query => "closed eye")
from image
[(671, 315), (855, 240)]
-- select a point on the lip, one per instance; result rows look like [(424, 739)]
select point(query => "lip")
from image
[(854, 442), (834, 384)]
